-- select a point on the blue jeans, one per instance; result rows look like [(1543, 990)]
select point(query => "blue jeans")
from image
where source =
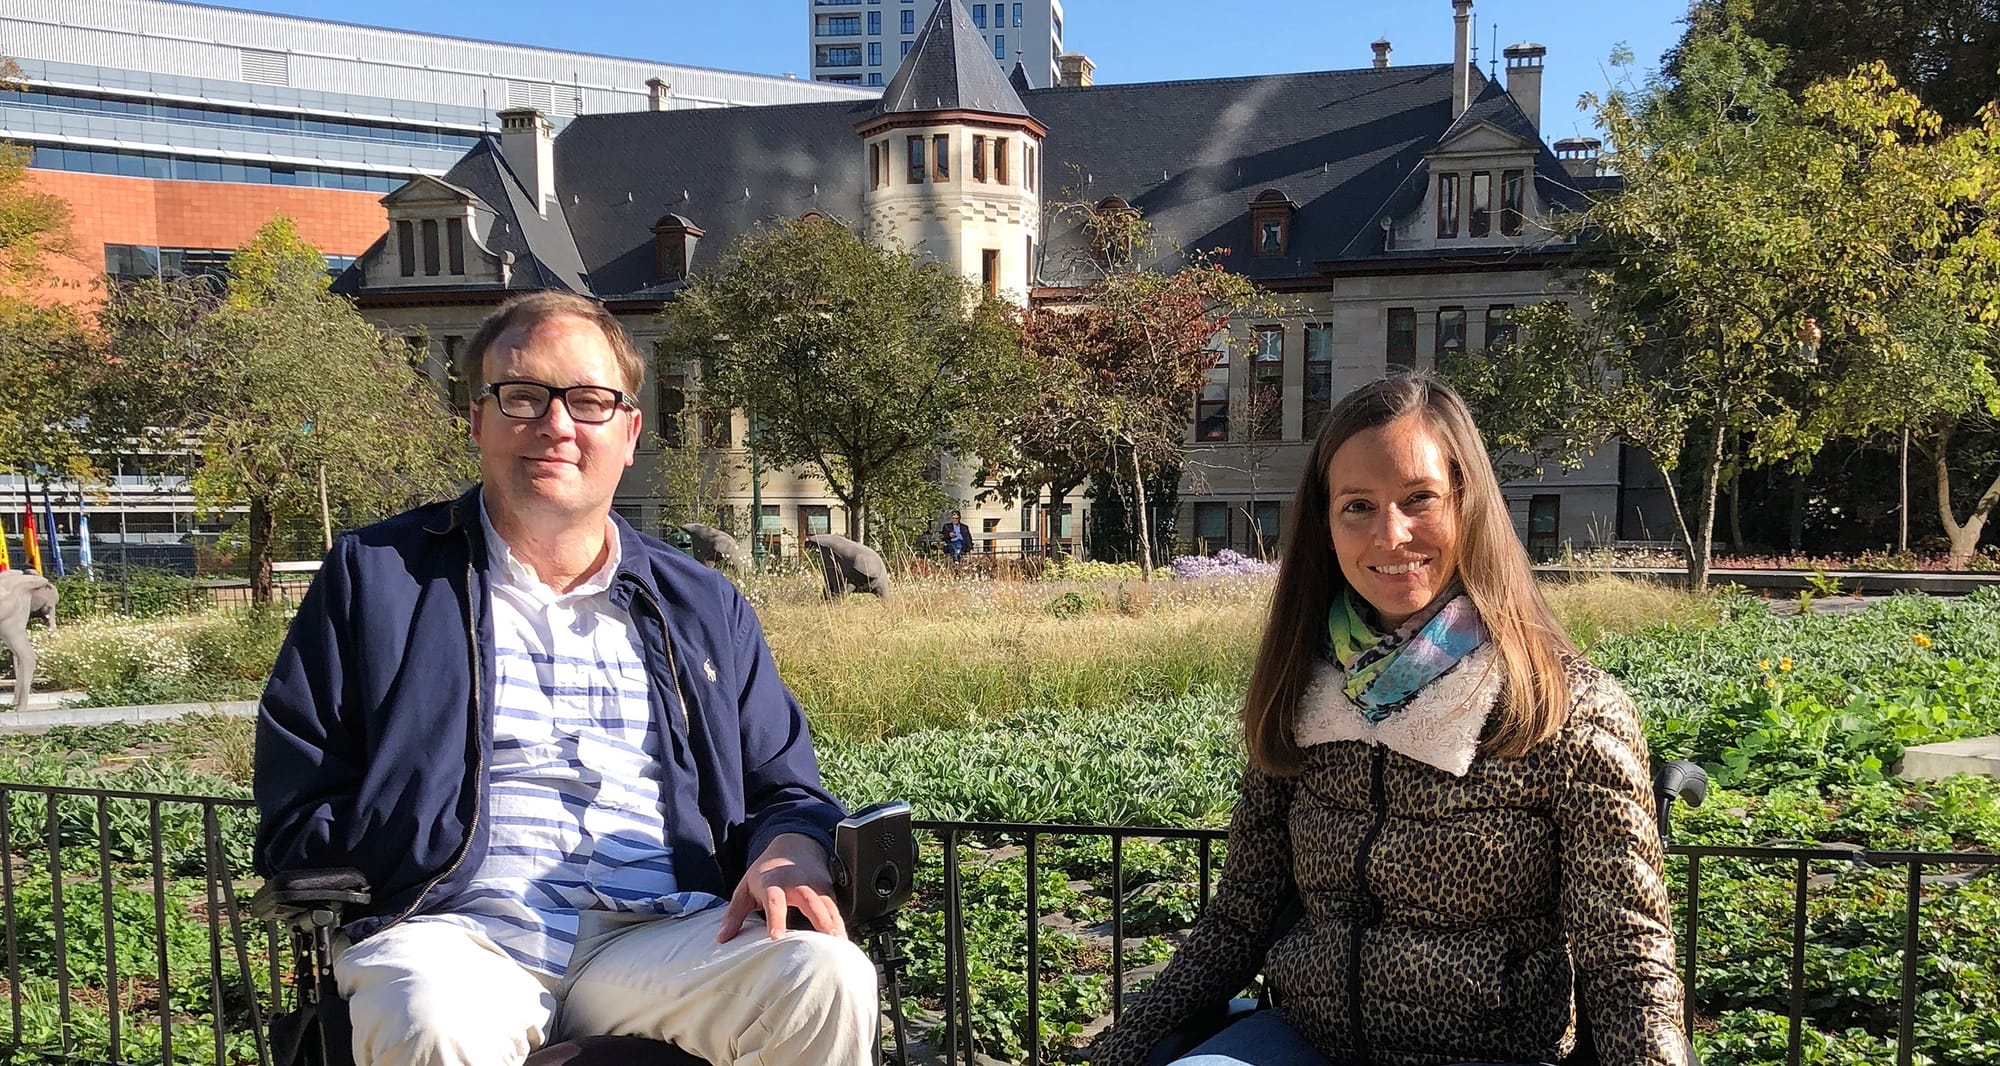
[(1262, 1039)]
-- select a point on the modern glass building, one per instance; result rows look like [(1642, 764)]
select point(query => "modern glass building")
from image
[(174, 130), (862, 42)]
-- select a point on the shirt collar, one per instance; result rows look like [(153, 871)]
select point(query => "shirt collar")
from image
[(517, 575)]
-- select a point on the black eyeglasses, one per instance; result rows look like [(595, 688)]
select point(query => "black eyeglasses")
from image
[(529, 400)]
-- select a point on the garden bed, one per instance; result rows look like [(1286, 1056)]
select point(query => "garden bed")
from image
[(1800, 718)]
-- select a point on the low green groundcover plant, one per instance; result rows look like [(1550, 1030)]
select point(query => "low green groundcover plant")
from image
[(1802, 721)]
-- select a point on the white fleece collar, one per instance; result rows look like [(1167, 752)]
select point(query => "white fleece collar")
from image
[(1440, 727)]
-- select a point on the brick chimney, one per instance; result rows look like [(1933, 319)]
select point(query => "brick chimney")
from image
[(528, 144), (1524, 79), (1381, 53), (1076, 70), (658, 94)]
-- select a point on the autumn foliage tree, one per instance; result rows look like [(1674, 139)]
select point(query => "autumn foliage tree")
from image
[(1119, 357)]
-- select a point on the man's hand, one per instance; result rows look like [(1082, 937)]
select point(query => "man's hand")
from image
[(792, 872)]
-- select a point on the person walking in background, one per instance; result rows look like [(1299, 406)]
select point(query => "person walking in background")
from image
[(957, 538), (1453, 803)]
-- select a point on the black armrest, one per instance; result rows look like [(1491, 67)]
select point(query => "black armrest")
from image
[(874, 862), (309, 897), (1682, 780)]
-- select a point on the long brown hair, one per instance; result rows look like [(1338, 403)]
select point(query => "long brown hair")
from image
[(1492, 565)]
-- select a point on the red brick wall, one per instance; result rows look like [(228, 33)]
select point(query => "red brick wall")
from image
[(195, 214)]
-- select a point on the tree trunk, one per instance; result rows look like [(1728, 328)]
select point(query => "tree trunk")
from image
[(1795, 537), (1736, 504), (325, 513), (857, 515), (262, 525), (1964, 537), (1903, 497), (1674, 501), (1142, 524), (1703, 546), (1054, 511)]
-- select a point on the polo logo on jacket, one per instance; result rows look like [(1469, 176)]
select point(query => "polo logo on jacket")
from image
[(708, 668)]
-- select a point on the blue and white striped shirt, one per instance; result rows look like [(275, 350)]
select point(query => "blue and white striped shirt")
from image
[(575, 798)]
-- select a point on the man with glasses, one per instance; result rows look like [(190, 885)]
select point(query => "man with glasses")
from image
[(559, 752)]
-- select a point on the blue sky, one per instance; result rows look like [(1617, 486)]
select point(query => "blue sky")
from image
[(1129, 40)]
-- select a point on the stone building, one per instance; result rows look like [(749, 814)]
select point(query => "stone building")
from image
[(1400, 211)]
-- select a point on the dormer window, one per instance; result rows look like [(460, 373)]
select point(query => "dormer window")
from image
[(674, 240), (1111, 230), (1447, 205), (1270, 237), (1480, 224), (437, 245), (1271, 216)]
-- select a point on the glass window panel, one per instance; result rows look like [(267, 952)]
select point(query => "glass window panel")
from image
[(1402, 338), (1447, 205), (428, 228), (1481, 223), (1319, 376), (1512, 191), (1451, 330)]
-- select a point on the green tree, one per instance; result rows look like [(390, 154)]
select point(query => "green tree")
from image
[(859, 363), (289, 398), (1945, 51), (46, 351), (1119, 359), (1749, 278)]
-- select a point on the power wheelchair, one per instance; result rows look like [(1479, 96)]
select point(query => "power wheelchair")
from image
[(874, 863)]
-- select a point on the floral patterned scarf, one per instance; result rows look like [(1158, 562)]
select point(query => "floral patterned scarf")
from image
[(1387, 670)]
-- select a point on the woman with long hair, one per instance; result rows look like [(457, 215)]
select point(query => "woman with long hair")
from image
[(1445, 848)]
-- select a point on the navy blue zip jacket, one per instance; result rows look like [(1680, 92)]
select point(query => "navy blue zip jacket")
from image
[(376, 728)]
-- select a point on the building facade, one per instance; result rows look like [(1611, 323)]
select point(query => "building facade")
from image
[(175, 130), (1401, 213), (864, 42)]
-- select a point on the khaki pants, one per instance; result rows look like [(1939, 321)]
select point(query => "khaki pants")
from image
[(439, 994)]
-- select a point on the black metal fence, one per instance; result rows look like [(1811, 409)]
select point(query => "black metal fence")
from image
[(124, 935), (126, 942)]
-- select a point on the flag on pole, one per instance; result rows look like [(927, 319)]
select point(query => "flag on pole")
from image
[(30, 539), (83, 541), (55, 549)]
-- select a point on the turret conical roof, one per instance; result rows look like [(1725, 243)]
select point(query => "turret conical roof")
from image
[(950, 68)]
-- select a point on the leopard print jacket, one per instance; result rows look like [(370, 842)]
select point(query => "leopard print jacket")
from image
[(1456, 907)]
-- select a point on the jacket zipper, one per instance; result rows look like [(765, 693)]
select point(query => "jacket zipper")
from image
[(680, 697), (478, 760), (1378, 799)]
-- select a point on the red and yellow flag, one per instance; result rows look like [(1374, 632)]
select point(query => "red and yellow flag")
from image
[(30, 539), (5, 561)]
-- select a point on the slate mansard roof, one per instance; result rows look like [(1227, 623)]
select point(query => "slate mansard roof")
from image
[(1347, 146)]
